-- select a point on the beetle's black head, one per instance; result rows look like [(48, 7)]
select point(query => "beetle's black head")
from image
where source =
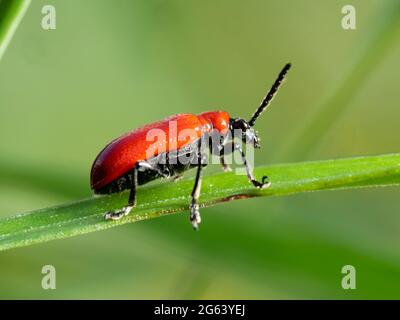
[(241, 128)]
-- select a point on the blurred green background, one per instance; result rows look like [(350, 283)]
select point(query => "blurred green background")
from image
[(111, 66)]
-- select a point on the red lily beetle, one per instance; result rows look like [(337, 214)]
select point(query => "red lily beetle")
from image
[(126, 162)]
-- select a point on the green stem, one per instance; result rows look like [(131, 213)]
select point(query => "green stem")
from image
[(154, 201)]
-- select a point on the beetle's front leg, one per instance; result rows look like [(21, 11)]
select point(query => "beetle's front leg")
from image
[(264, 182)]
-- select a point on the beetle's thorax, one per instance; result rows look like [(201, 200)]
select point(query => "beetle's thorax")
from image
[(215, 120)]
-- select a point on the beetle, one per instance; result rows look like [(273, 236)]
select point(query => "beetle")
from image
[(125, 163)]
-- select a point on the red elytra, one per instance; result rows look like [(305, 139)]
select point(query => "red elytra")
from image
[(122, 154)]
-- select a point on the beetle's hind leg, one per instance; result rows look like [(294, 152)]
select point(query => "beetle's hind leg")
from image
[(118, 214), (177, 177)]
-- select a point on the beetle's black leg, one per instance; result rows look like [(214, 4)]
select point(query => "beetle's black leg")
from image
[(218, 150), (116, 215), (226, 167), (264, 183), (178, 177), (195, 218)]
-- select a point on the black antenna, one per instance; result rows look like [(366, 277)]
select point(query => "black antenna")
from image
[(270, 95)]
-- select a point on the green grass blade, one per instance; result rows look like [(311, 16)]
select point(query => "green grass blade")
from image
[(154, 201), (11, 14)]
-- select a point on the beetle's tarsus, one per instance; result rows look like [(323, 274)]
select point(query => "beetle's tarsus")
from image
[(262, 185), (116, 215), (195, 217)]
